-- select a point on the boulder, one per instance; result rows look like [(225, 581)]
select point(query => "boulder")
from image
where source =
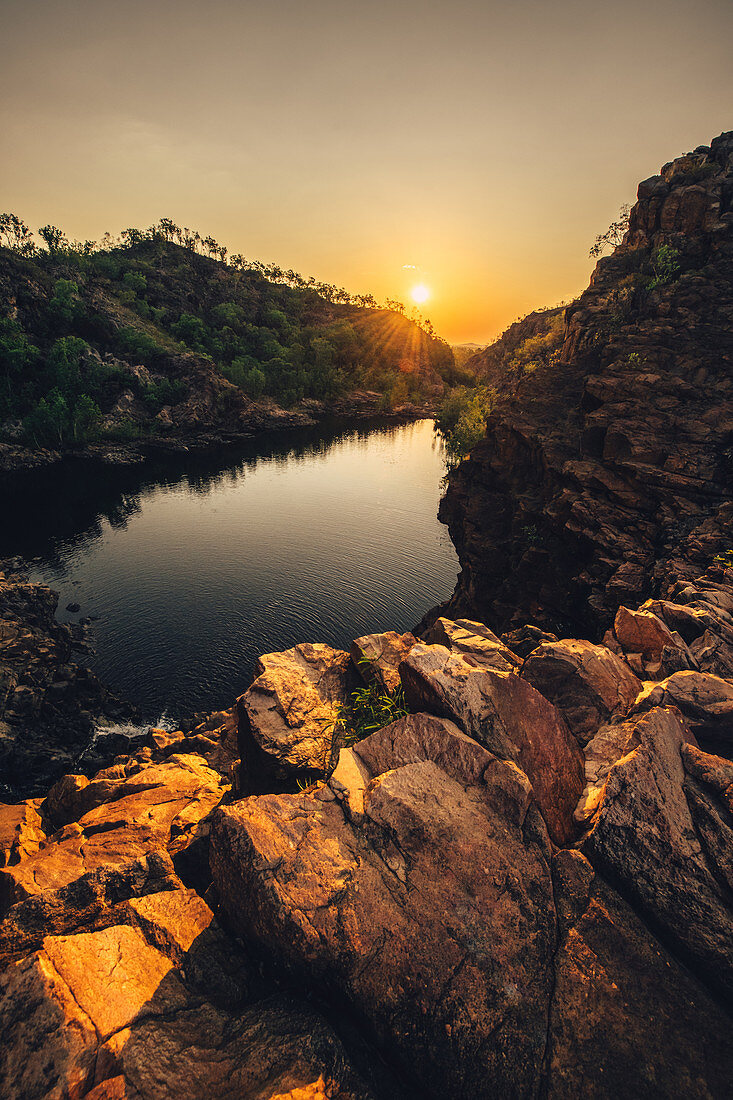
[(160, 806), (651, 648), (626, 1020), (587, 683), (474, 640), (433, 917), (704, 700), (377, 658), (505, 714), (524, 639), (644, 840), (287, 718)]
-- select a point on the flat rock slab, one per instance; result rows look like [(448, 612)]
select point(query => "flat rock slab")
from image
[(504, 713), (434, 916), (287, 718)]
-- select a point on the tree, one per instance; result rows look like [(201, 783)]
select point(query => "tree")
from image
[(16, 234), (615, 233), (55, 239)]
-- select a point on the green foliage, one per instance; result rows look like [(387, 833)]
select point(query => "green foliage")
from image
[(665, 265), (135, 281), (167, 391), (365, 711), (462, 420), (725, 558), (138, 346)]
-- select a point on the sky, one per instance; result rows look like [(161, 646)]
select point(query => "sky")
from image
[(474, 147)]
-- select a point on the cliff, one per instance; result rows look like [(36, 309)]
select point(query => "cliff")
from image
[(605, 473)]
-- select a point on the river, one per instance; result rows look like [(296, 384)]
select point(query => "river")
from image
[(190, 566)]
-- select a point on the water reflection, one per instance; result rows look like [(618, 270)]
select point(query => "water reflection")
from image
[(197, 563)]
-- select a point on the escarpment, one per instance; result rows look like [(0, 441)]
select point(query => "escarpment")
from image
[(605, 473)]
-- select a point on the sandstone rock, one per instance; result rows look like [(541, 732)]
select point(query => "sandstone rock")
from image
[(114, 1018), (526, 638), (661, 651), (21, 831), (705, 701), (626, 1020), (161, 806), (377, 657), (587, 683), (601, 753), (473, 640), (644, 839), (288, 715), (434, 918), (96, 900), (503, 712)]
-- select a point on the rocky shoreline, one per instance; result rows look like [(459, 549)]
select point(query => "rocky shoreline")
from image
[(523, 887), (265, 416)]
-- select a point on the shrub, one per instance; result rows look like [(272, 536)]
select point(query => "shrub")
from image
[(365, 711)]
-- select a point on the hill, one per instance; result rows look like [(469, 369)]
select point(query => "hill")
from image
[(147, 337)]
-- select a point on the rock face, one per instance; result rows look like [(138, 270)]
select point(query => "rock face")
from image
[(392, 913), (505, 713), (644, 839), (605, 473), (288, 716), (587, 683)]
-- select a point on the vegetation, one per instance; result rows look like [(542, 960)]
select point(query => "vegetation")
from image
[(367, 710), (462, 420), (614, 235), (86, 316)]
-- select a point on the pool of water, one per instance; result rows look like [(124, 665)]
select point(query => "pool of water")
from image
[(193, 565)]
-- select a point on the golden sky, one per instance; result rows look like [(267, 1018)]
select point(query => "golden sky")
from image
[(474, 147)]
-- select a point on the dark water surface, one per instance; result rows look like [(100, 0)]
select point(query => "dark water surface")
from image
[(196, 564)]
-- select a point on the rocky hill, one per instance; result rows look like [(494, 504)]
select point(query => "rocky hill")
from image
[(606, 471), (152, 341)]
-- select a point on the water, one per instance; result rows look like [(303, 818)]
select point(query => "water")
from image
[(192, 566)]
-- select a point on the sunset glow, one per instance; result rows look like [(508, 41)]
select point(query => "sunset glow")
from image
[(420, 293)]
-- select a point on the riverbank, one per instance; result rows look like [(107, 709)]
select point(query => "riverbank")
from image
[(260, 418)]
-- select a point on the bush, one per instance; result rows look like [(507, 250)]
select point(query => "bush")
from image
[(365, 711), (462, 420)]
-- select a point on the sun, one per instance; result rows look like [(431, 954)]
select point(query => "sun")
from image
[(420, 293)]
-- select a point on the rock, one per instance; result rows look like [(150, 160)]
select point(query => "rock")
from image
[(526, 638), (160, 806), (645, 841), (601, 753), (705, 701), (287, 717), (377, 658), (94, 901), (21, 831), (434, 919), (49, 704), (644, 634), (114, 1017), (73, 607), (474, 640), (505, 714), (626, 1020), (587, 683)]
